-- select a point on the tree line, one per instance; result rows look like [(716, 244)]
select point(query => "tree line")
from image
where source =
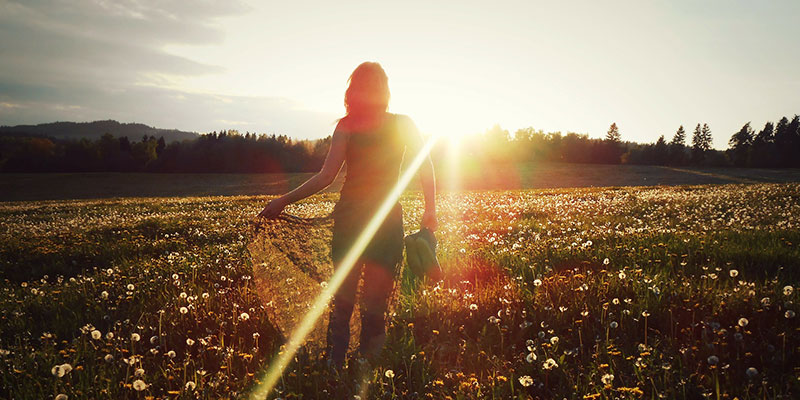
[(224, 151), (774, 146)]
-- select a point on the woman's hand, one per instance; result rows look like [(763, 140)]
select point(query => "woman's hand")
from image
[(273, 208), (429, 220)]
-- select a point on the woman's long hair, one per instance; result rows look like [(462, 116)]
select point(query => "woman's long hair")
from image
[(368, 91)]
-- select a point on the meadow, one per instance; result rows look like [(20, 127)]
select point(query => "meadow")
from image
[(593, 293)]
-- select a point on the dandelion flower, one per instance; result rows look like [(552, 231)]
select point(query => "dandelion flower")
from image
[(244, 316), (554, 340), (615, 301), (607, 379), (182, 295), (189, 342), (96, 335), (751, 372), (606, 261), (549, 364), (645, 313), (530, 358), (108, 358), (734, 273), (789, 314), (743, 322), (61, 396), (190, 385), (389, 374), (183, 310), (613, 324), (130, 286), (537, 282), (525, 380), (473, 307), (135, 337), (622, 275), (713, 360), (788, 290), (109, 335), (138, 372), (171, 354), (139, 385), (103, 295)]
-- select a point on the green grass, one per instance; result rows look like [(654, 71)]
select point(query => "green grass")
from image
[(659, 292)]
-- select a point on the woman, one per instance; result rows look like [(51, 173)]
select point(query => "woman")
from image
[(372, 142)]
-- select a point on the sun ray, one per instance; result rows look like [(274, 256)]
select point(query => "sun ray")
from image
[(270, 378)]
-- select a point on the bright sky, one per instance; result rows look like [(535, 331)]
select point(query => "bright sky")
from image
[(454, 67)]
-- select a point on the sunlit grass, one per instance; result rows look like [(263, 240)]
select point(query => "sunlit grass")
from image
[(683, 292)]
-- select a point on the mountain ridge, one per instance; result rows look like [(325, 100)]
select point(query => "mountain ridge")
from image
[(95, 129)]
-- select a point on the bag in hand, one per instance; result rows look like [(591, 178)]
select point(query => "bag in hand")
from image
[(421, 254)]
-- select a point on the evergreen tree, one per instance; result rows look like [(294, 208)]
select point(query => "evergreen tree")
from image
[(740, 146), (762, 152), (783, 143), (611, 149), (613, 134), (660, 151), (677, 146), (698, 146)]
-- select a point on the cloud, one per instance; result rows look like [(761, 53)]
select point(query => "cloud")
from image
[(89, 60), (164, 108)]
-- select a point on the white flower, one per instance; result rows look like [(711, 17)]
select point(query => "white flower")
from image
[(734, 273), (645, 313), (789, 314), (244, 316), (130, 286), (554, 340), (103, 295), (61, 396), (606, 261), (204, 296), (171, 354), (183, 310), (622, 275), (190, 385), (96, 335), (139, 385), (531, 357), (57, 371), (743, 322), (389, 374), (615, 301), (751, 372), (713, 360), (182, 295), (613, 324), (109, 335), (549, 364), (537, 282), (788, 290), (473, 307), (607, 379), (525, 380), (138, 372), (189, 341), (135, 337)]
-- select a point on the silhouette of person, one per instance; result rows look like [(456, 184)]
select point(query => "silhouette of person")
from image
[(372, 142)]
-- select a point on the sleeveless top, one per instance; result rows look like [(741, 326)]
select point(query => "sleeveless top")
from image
[(373, 160)]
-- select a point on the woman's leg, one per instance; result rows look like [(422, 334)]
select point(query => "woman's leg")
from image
[(378, 285), (339, 322)]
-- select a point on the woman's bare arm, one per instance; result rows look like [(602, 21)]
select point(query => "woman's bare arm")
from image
[(321, 180), (426, 177)]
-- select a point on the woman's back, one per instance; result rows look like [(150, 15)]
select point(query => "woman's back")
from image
[(373, 157)]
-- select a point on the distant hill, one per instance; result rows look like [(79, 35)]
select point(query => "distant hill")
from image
[(96, 129)]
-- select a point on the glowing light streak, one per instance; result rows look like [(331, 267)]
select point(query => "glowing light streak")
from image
[(270, 378)]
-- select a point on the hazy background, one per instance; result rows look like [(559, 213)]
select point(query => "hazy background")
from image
[(455, 67)]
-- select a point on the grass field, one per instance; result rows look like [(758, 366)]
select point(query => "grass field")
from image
[(640, 292), (21, 187)]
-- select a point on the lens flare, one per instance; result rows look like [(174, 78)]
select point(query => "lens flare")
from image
[(270, 378)]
